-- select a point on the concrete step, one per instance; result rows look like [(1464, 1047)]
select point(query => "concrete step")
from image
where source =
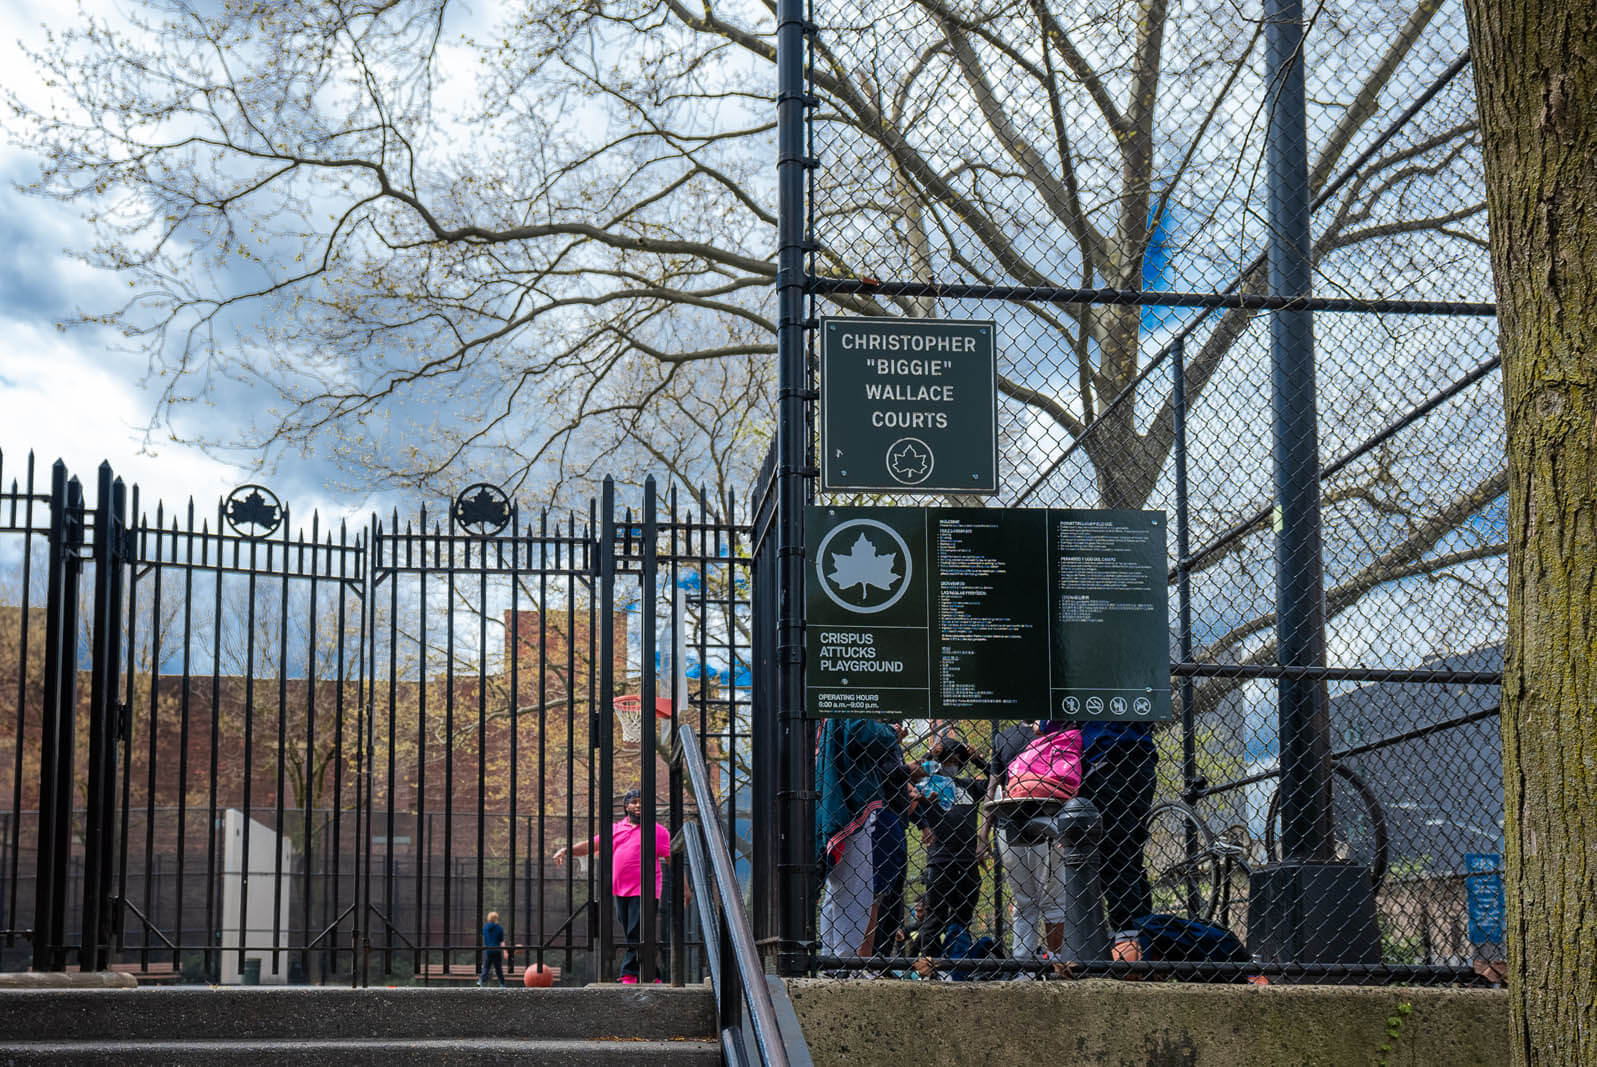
[(366, 1052), (309, 1014)]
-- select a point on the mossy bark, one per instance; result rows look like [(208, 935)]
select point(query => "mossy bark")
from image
[(1536, 77)]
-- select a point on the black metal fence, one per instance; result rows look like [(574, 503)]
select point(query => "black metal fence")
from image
[(1237, 264), (243, 750)]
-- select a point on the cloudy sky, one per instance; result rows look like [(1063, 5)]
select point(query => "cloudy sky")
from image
[(77, 394)]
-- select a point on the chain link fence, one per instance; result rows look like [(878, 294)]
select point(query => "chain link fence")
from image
[(1095, 180)]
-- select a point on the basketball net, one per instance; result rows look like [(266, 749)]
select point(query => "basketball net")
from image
[(629, 716), (628, 710)]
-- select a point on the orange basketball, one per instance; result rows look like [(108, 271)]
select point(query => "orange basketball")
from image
[(538, 977)]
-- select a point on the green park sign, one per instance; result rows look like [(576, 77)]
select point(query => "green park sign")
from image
[(1017, 613), (909, 406)]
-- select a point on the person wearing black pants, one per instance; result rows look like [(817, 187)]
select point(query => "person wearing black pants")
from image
[(890, 862), (1121, 774), (948, 817), (629, 913), (951, 895), (493, 949)]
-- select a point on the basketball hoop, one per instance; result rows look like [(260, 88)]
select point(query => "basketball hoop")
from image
[(629, 716)]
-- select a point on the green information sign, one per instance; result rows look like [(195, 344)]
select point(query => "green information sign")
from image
[(909, 406), (1056, 613)]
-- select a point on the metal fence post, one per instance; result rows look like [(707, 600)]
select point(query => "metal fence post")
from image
[(1300, 605), (105, 715), (765, 771), (60, 705), (604, 728), (792, 436), (648, 926), (680, 545), (1309, 907), (1178, 404)]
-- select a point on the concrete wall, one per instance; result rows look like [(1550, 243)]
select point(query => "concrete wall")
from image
[(958, 1024)]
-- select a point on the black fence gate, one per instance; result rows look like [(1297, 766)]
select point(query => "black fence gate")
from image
[(247, 751)]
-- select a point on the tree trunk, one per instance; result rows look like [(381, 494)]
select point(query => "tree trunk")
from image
[(1536, 78)]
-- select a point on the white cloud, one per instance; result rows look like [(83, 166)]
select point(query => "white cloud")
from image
[(63, 397), (75, 394), (66, 394)]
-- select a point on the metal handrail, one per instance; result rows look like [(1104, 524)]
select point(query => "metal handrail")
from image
[(748, 999)]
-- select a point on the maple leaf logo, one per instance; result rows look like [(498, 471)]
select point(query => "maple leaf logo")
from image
[(484, 513), (254, 511), (866, 577), (865, 567), (909, 460)]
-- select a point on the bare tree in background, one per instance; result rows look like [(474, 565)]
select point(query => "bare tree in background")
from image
[(544, 246)]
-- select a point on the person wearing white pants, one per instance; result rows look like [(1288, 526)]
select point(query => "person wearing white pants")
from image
[(864, 802), (848, 901), (1033, 877), (1035, 880)]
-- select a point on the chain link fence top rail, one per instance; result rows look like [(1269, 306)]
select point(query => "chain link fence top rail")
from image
[(1093, 179)]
